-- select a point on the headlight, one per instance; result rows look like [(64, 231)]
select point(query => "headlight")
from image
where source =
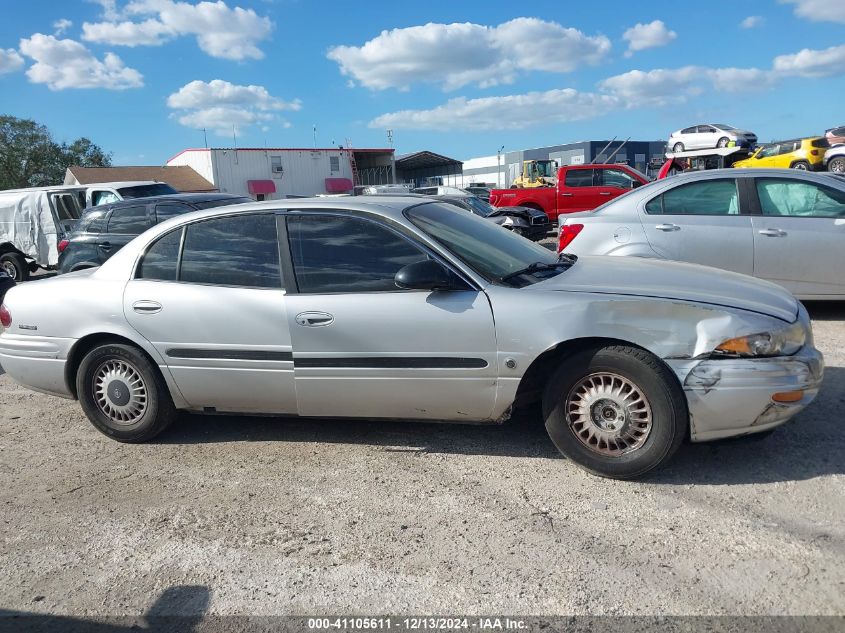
[(782, 342)]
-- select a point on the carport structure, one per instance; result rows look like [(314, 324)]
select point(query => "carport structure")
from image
[(422, 168)]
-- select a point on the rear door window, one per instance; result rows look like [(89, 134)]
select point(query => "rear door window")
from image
[(708, 197), (240, 250), (797, 198), (579, 178), (129, 220)]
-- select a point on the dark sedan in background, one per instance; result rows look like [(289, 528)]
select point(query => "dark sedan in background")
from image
[(104, 230), (526, 221)]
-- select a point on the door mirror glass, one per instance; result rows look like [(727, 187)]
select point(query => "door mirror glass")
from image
[(425, 275)]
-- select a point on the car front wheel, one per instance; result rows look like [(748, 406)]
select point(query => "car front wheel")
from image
[(123, 393), (722, 142), (837, 165), (616, 411)]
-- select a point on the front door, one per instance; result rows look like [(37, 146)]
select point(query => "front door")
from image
[(799, 236), (365, 348), (700, 222), (217, 313)]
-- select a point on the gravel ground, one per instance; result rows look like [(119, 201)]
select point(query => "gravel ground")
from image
[(273, 516)]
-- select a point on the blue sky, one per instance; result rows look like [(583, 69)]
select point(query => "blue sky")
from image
[(141, 77)]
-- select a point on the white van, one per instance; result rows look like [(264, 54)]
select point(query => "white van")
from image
[(33, 221)]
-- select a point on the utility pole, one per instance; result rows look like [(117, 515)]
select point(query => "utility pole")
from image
[(499, 167), (205, 137), (315, 137), (390, 138)]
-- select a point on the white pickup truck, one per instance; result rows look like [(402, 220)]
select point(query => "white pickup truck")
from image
[(33, 221)]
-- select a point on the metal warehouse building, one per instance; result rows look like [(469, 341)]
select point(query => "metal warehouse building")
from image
[(268, 173), (502, 169)]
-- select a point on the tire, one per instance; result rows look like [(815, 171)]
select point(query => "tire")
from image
[(633, 449), (15, 265), (722, 142), (678, 147), (129, 418), (800, 165), (837, 164)]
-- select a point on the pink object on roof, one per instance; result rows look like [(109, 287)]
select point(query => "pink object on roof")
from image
[(261, 186)]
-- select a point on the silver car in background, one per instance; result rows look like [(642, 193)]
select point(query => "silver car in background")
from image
[(402, 308), (709, 135), (781, 225)]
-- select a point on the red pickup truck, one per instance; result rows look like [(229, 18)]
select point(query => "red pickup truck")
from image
[(579, 188)]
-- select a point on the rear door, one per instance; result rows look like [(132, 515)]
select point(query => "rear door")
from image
[(799, 235), (700, 222), (579, 191), (211, 301), (124, 223)]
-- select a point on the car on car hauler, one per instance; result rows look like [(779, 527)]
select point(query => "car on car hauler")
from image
[(402, 308)]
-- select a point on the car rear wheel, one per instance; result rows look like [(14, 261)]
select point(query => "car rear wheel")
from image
[(837, 165), (801, 165), (616, 411), (15, 266), (723, 142), (678, 147), (123, 393)]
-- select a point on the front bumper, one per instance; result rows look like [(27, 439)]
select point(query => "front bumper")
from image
[(733, 396)]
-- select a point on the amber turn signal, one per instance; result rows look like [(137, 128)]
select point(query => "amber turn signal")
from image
[(788, 396)]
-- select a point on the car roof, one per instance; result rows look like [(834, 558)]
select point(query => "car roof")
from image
[(167, 197), (125, 183)]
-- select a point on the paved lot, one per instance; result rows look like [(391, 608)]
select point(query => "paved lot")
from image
[(239, 515)]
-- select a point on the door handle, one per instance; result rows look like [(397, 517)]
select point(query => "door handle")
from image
[(146, 307), (772, 232), (106, 246), (566, 195), (313, 319), (604, 193), (668, 227)]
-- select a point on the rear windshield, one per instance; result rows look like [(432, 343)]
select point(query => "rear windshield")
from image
[(820, 142), (145, 191), (210, 204)]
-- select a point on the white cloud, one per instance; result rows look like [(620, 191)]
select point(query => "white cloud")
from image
[(66, 63), (508, 112), (61, 26), (752, 21), (218, 105), (651, 35), (812, 63), (455, 55), (199, 94), (10, 61), (221, 31), (819, 10), (109, 7)]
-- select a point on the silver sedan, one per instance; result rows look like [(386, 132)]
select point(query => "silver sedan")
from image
[(780, 225), (405, 308)]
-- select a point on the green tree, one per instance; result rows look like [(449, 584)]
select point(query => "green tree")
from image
[(29, 157)]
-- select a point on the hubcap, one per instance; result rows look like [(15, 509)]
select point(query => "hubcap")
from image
[(120, 392), (10, 269), (608, 414)]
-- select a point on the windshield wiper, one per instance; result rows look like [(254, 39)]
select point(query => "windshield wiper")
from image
[(564, 261)]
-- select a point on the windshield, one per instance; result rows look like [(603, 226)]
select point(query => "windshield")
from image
[(479, 206), (487, 248), (722, 126), (145, 191)]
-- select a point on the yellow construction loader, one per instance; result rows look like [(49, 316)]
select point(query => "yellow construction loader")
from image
[(536, 173)]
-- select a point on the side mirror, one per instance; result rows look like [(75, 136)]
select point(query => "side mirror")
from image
[(426, 275)]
